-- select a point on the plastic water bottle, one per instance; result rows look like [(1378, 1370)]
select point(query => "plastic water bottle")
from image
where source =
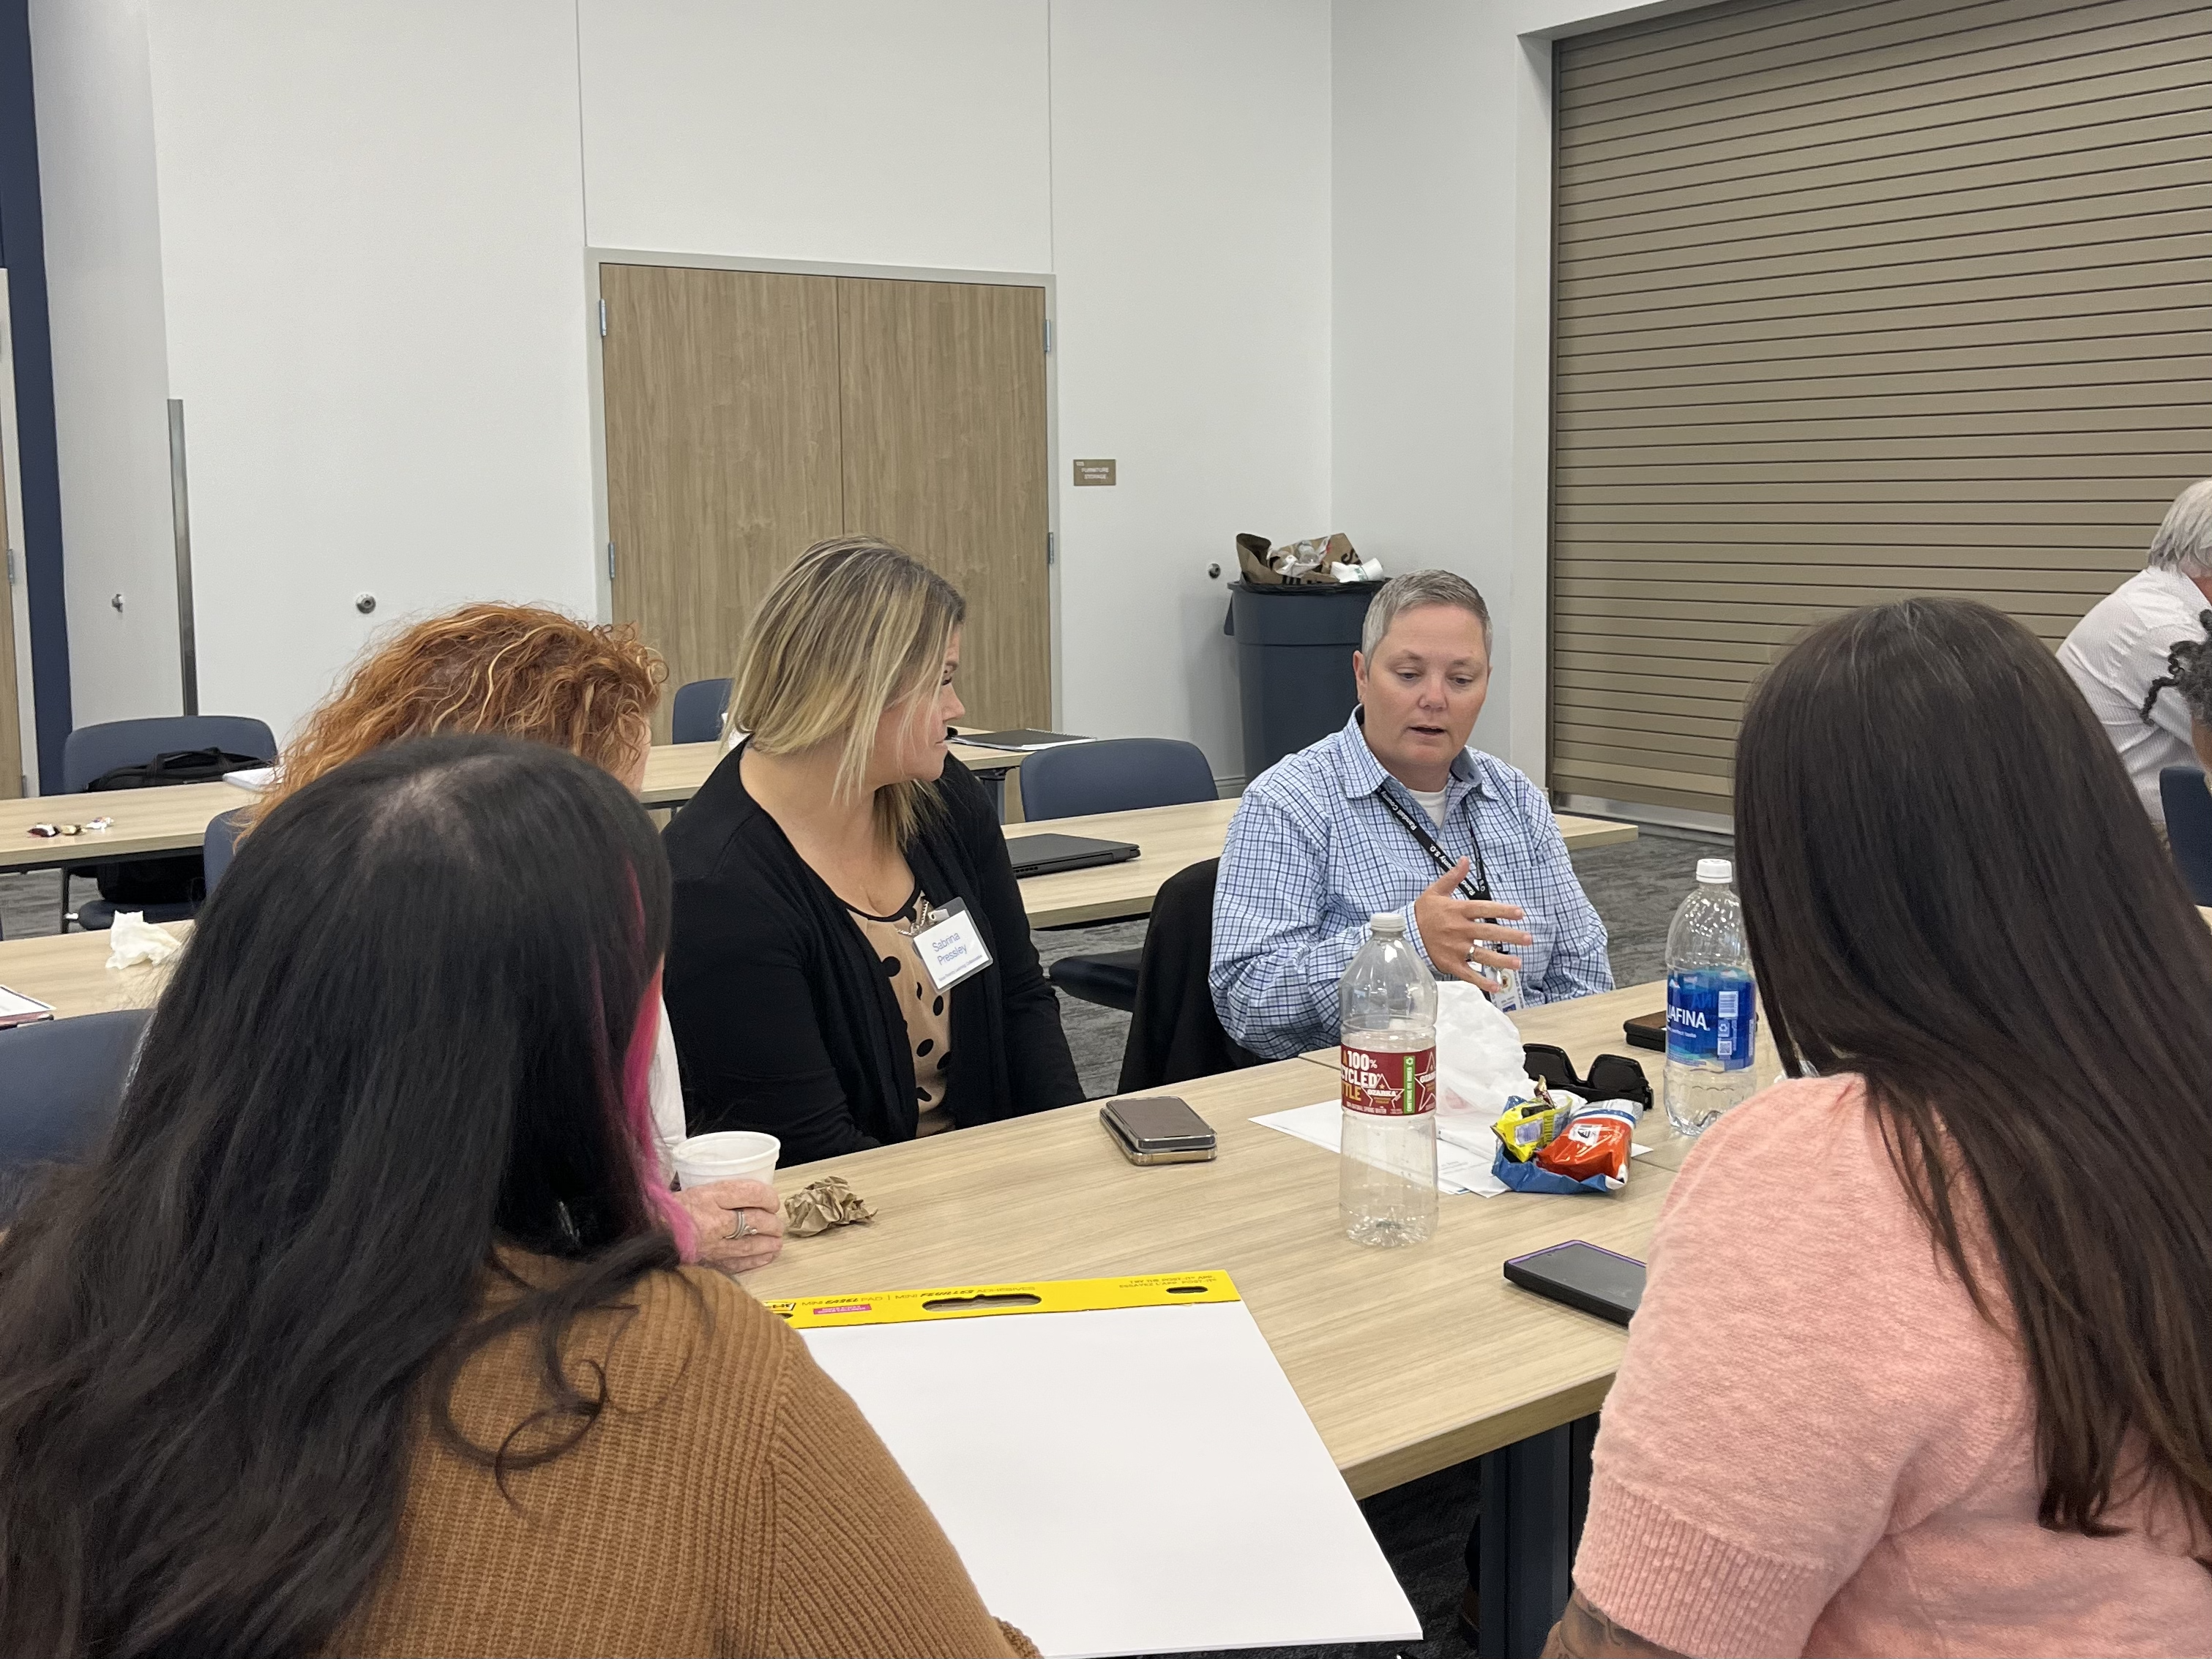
[(1712, 1015), (1387, 1009)]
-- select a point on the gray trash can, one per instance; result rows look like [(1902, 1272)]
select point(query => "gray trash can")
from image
[(1294, 648)]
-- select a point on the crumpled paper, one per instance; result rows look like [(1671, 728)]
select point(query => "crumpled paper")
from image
[(821, 1204), (134, 939)]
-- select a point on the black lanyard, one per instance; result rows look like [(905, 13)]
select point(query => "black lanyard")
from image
[(1477, 883)]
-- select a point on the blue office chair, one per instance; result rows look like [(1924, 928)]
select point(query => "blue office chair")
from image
[(60, 1083), (695, 717), (1112, 774), (2189, 825), (91, 750), (220, 842)]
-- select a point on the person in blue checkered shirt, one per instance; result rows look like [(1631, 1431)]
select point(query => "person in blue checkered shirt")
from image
[(1395, 812)]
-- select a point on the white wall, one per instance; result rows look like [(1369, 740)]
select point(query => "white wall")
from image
[(1191, 238), (372, 226), (1167, 162), (900, 132), (364, 273), (1441, 316), (96, 179), (1300, 255)]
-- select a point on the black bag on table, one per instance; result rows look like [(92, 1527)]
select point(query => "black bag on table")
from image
[(179, 879)]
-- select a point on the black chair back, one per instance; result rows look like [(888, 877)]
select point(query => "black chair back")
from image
[(2189, 825), (1175, 1033), (61, 1081)]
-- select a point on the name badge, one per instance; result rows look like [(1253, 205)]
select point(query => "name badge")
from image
[(1507, 997), (951, 947)]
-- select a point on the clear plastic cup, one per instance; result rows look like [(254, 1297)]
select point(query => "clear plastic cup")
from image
[(726, 1155)]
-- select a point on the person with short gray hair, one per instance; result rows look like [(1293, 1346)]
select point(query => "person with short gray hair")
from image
[(1396, 812), (2123, 644), (1419, 587)]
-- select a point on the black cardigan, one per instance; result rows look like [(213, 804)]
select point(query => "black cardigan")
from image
[(784, 1019)]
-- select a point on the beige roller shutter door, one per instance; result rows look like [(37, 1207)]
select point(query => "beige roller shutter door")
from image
[(1855, 299)]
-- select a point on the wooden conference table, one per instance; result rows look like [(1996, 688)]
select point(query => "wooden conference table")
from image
[(69, 971), (151, 821), (1408, 1361)]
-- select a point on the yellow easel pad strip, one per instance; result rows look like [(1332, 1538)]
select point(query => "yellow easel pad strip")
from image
[(979, 1300)]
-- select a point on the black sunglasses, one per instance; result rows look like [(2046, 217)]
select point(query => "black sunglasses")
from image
[(1611, 1077)]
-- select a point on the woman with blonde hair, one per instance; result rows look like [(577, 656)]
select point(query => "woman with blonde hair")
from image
[(525, 670), (847, 922)]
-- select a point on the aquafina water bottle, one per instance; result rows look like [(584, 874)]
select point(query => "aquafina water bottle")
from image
[(1712, 1016)]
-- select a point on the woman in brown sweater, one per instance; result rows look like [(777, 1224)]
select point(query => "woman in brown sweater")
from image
[(366, 1331)]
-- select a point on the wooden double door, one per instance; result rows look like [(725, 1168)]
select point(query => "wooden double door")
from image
[(750, 414)]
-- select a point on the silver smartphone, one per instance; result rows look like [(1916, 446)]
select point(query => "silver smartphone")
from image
[(1158, 1129)]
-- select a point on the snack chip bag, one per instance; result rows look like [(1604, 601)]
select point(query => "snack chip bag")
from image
[(1593, 1145), (1527, 1126), (1588, 1154)]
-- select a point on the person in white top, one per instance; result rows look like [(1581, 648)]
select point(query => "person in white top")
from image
[(2123, 644)]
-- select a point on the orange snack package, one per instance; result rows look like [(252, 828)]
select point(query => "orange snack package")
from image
[(1593, 1144)]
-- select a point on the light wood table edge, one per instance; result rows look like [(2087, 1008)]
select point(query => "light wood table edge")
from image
[(1589, 832), (1447, 1450), (1075, 915)]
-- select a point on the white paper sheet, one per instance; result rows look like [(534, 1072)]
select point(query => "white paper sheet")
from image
[(1137, 1480), (16, 1009), (1462, 1167)]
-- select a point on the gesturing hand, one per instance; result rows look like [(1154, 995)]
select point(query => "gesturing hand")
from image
[(1460, 933), (739, 1223)]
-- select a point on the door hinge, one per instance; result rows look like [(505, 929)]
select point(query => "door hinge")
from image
[(11, 567), (602, 319), (1047, 335), (611, 561), (1051, 548)]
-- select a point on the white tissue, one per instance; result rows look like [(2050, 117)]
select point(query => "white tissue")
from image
[(1478, 1059), (134, 939)]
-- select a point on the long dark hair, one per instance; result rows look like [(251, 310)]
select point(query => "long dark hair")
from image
[(395, 1044), (1951, 889)]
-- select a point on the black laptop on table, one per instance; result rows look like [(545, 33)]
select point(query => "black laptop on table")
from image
[(1050, 855)]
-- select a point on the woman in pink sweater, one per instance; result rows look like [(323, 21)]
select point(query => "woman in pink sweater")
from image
[(1925, 1362)]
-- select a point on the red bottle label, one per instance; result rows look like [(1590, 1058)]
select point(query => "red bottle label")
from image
[(1389, 1084)]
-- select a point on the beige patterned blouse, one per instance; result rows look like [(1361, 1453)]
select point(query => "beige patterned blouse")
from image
[(927, 1011)]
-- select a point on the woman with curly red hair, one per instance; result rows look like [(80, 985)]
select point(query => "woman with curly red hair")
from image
[(517, 670), (523, 670)]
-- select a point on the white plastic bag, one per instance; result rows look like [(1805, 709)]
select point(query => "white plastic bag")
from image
[(1478, 1059)]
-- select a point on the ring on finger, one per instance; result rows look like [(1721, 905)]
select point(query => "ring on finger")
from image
[(745, 1228)]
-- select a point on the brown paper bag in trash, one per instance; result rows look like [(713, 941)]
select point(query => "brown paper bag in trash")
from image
[(1308, 563)]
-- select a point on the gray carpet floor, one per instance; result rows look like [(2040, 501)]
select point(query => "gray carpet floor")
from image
[(30, 902)]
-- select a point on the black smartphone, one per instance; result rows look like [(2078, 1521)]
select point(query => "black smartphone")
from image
[(1581, 1276), (1646, 1030)]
